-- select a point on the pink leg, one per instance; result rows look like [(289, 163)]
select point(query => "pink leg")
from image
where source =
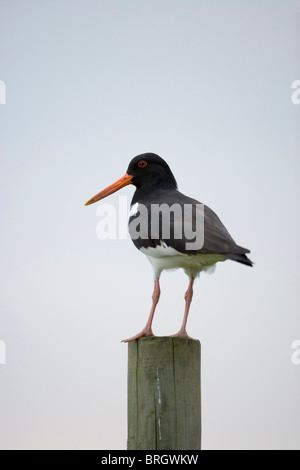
[(188, 299), (147, 331)]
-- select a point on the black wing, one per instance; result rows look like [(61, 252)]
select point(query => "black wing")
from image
[(216, 240)]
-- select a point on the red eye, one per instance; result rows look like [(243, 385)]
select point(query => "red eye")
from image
[(142, 163)]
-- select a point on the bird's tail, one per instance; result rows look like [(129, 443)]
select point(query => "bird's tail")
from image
[(240, 258)]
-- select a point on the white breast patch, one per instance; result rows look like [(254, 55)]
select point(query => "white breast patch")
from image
[(134, 209)]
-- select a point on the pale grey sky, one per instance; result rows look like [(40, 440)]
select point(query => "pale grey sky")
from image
[(90, 84)]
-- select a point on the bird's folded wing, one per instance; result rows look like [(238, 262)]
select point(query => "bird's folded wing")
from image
[(193, 223)]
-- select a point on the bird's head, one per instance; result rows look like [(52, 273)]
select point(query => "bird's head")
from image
[(147, 170)]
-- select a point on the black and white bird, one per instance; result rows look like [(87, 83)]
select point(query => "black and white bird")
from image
[(171, 229)]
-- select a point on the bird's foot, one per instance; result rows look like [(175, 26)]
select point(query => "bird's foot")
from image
[(144, 333), (181, 334)]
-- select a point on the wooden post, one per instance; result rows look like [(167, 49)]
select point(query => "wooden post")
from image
[(164, 411)]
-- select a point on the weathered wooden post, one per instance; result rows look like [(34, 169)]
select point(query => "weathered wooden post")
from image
[(164, 410)]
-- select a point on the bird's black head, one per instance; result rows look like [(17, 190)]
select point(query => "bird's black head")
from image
[(146, 172), (148, 169)]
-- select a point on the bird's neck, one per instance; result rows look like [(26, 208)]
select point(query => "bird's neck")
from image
[(143, 193)]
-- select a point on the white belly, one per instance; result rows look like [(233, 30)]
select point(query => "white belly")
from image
[(164, 257)]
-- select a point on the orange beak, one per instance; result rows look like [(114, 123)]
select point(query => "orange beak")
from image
[(124, 181)]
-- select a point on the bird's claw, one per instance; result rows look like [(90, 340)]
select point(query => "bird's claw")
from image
[(181, 334), (143, 334)]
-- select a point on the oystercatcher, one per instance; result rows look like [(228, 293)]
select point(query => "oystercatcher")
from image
[(171, 229)]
